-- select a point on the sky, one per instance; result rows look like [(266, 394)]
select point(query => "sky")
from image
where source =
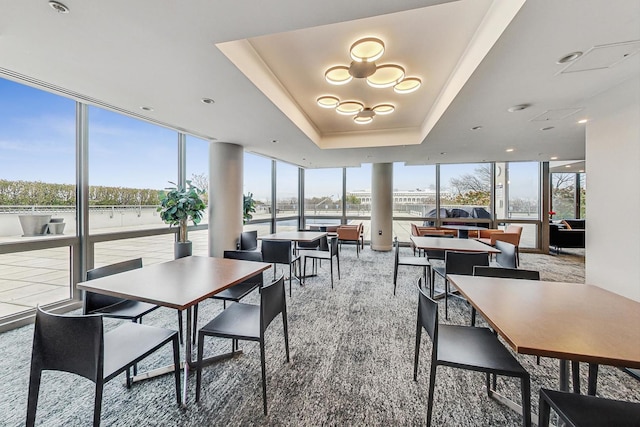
[(37, 143)]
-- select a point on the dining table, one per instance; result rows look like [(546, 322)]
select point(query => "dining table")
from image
[(567, 321), (449, 244), (179, 284), (463, 230)]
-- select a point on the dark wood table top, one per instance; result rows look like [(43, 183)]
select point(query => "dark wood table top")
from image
[(459, 245), (568, 321), (178, 284), (295, 236)]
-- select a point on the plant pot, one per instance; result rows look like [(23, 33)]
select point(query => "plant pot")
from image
[(34, 225), (182, 249)]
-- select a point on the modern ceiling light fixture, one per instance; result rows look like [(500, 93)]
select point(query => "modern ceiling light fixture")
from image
[(58, 7), (364, 53), (362, 115), (349, 108), (365, 116), (328, 101)]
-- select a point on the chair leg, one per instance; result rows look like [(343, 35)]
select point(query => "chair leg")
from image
[(575, 376), (446, 299), (97, 404), (593, 379), (526, 401), (286, 334), (176, 371), (424, 275), (395, 277), (304, 270), (179, 327), (331, 268), (34, 389), (473, 316), (128, 378), (432, 385), (199, 367), (338, 262), (290, 279), (544, 412), (417, 352), (264, 377)]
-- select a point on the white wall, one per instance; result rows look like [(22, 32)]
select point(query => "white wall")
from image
[(613, 190)]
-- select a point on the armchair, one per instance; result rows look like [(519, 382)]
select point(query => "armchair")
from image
[(510, 235), (350, 233)]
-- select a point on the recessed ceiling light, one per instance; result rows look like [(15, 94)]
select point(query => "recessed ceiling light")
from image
[(509, 150), (518, 107), (583, 121), (554, 158), (58, 7), (443, 153), (570, 57), (208, 101), (581, 170), (567, 166), (274, 141), (547, 128), (146, 108), (476, 128)]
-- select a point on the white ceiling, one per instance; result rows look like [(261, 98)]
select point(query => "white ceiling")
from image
[(164, 54)]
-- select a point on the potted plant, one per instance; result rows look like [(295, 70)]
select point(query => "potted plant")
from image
[(177, 206), (248, 207)]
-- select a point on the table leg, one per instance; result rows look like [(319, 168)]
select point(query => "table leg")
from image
[(564, 375), (187, 357)]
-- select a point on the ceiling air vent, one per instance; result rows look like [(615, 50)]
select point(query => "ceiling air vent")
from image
[(604, 56), (559, 114)]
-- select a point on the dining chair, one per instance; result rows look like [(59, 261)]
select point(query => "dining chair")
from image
[(579, 410), (350, 233), (322, 254), (466, 347), (507, 257), (248, 322), (435, 254), (412, 261), (114, 307), (79, 345), (249, 240), (281, 252), (236, 292), (458, 263)]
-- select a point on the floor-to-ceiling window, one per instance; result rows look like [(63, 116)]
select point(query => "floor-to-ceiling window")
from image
[(257, 183), (414, 197), (465, 192), (37, 186), (358, 197), (323, 196), (517, 198), (286, 196)]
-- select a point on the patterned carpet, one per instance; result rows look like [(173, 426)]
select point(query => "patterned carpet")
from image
[(351, 364)]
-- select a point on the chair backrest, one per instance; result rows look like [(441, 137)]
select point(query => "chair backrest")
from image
[(247, 256), (348, 232), (277, 251), (427, 314), (507, 257), (249, 240), (72, 344), (272, 303), (309, 245), (436, 254), (514, 230), (332, 247), (414, 230), (506, 273), (93, 301), (463, 262)]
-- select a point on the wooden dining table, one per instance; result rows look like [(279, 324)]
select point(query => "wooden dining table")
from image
[(295, 236), (566, 321), (178, 284)]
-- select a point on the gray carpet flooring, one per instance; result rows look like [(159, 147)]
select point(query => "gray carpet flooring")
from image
[(351, 364)]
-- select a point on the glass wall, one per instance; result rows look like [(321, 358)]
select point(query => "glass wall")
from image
[(123, 190), (257, 181), (197, 168), (286, 190), (465, 192), (323, 193), (521, 196), (563, 195)]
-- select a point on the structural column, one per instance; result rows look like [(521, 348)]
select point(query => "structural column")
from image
[(225, 196), (382, 206)]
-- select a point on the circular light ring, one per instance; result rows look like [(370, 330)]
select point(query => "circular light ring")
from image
[(328, 101), (349, 108), (386, 76), (362, 120), (383, 109), (368, 49), (408, 85), (338, 75)]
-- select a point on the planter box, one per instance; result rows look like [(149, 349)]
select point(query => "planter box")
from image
[(34, 225)]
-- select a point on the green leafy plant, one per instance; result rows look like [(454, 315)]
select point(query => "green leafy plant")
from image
[(179, 205), (248, 207)]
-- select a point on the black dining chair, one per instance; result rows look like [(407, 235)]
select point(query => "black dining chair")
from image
[(323, 254), (114, 307), (459, 263), (281, 252), (508, 256), (79, 345), (466, 347), (410, 261), (577, 410), (435, 254), (248, 322), (249, 240), (236, 292)]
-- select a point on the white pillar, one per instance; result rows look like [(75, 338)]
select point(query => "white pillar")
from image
[(382, 206), (225, 196)]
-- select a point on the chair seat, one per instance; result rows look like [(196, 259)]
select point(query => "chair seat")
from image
[(315, 254), (241, 321), (476, 349), (127, 309), (237, 292), (581, 410), (412, 260), (129, 343), (440, 271)]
